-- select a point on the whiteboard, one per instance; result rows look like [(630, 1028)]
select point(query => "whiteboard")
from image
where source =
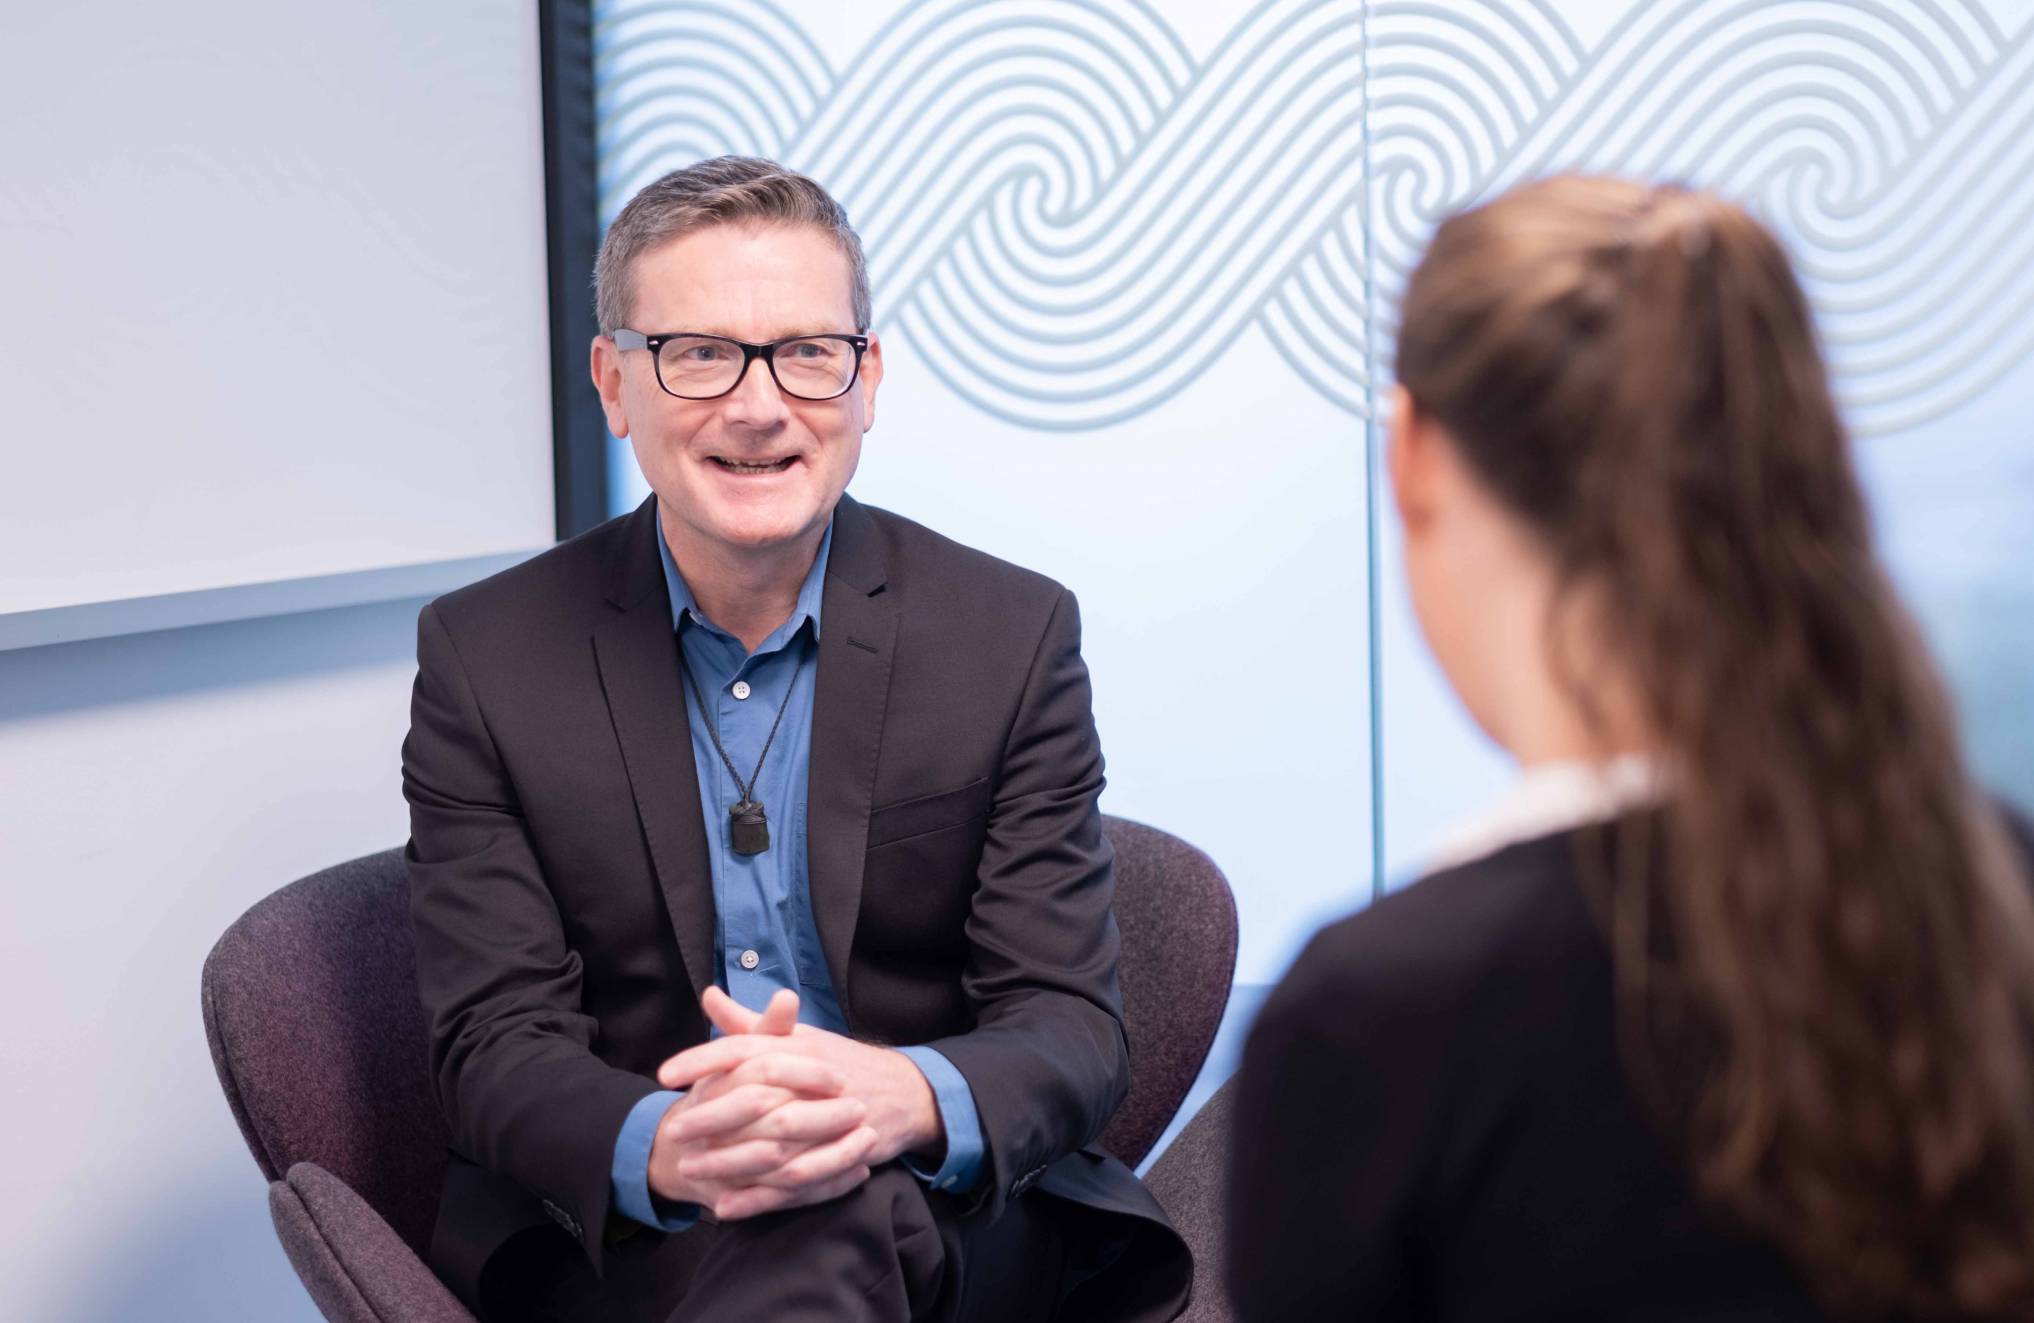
[(273, 300)]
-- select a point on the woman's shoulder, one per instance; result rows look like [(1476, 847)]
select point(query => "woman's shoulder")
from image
[(1455, 927), (1445, 947)]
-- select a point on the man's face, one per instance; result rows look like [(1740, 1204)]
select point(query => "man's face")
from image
[(795, 456)]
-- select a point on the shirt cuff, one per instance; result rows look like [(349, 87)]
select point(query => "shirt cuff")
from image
[(956, 1103), (631, 1170)]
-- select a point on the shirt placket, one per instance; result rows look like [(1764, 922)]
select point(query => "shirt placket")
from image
[(755, 940), (741, 936)]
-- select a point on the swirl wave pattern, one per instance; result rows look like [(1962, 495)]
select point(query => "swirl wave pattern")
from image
[(1072, 217)]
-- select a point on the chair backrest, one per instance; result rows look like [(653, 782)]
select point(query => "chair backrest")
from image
[(1179, 956), (311, 1011)]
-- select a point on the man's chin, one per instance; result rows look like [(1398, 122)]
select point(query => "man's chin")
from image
[(761, 530)]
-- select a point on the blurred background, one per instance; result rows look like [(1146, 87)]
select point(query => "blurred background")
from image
[(294, 296)]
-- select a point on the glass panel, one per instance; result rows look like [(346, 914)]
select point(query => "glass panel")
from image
[(1892, 147), (1117, 261), (1123, 264)]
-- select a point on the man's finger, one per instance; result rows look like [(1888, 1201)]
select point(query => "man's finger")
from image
[(713, 1058), (779, 1082), (710, 1087), (810, 1121), (731, 1017), (773, 1140), (731, 1111), (741, 1163), (751, 1200), (791, 1070), (823, 1162), (748, 1156), (805, 1076)]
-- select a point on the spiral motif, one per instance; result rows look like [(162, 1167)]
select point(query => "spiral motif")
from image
[(1071, 217)]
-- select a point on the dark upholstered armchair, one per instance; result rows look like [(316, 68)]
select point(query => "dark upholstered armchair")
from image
[(311, 1012), (1190, 1181)]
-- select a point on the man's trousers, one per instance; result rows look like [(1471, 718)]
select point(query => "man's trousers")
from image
[(890, 1251)]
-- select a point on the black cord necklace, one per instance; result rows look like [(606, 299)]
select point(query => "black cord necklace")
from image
[(748, 827)]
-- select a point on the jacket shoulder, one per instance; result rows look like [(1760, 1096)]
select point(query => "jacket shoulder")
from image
[(565, 581), (927, 562)]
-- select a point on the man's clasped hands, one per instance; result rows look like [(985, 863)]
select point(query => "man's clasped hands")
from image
[(779, 1114)]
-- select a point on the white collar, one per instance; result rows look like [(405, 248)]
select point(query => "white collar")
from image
[(1552, 797)]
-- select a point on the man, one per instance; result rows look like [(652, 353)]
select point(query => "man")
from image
[(757, 755)]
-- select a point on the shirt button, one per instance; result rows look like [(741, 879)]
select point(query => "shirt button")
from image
[(750, 960), (741, 689)]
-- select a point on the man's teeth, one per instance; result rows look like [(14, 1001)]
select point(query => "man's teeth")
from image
[(736, 466)]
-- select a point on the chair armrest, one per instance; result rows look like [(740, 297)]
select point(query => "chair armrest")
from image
[(1190, 1181), (356, 1268)]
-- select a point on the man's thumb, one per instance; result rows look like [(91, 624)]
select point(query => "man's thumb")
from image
[(728, 1015), (780, 1016)]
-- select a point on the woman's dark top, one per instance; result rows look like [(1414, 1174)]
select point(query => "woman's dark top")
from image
[(1433, 1120)]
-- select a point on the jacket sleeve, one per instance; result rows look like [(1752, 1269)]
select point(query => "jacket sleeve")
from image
[(1047, 1060), (511, 1055)]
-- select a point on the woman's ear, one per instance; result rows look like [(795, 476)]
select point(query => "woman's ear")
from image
[(1409, 462)]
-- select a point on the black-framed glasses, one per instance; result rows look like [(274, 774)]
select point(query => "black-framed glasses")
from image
[(706, 367)]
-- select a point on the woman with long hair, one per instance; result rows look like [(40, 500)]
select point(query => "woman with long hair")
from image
[(1729, 1011)]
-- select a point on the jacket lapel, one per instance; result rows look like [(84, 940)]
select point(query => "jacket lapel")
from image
[(637, 651), (858, 633)]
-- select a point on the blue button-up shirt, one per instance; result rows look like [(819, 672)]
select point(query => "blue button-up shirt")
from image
[(765, 937)]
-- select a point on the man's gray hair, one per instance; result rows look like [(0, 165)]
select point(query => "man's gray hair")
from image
[(727, 190)]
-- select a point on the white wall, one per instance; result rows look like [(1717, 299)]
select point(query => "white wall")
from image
[(152, 787), (274, 295)]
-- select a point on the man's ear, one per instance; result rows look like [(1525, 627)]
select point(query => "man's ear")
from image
[(606, 366), (871, 377)]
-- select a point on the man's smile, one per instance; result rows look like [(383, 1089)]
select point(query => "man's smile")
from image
[(753, 467)]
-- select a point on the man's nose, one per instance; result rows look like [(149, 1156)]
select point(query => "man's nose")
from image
[(755, 401)]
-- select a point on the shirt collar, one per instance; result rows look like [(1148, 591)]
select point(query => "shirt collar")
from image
[(1553, 797), (811, 594)]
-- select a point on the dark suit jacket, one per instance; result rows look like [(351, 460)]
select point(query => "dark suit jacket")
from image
[(1434, 1121), (564, 910)]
